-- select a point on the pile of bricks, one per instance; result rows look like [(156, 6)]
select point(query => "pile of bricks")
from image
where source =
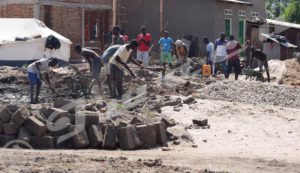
[(63, 126)]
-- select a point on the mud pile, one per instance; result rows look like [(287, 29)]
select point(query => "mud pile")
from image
[(292, 76)]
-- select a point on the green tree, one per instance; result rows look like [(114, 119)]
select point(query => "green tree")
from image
[(292, 12), (275, 8)]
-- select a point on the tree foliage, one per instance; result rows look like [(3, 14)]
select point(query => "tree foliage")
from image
[(292, 12), (275, 8)]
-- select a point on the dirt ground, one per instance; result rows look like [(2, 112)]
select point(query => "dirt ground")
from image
[(243, 136)]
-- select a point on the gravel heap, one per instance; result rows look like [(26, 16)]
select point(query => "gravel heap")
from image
[(252, 93)]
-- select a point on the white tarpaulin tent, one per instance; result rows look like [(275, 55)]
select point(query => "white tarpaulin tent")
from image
[(33, 34)]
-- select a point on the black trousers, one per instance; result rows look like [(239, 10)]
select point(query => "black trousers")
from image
[(116, 78)]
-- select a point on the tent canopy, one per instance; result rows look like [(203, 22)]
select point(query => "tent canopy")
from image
[(12, 28), (32, 35)]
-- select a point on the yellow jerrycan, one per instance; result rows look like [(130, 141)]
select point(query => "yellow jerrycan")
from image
[(206, 70)]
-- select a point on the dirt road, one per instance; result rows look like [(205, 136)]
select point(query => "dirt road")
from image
[(241, 138)]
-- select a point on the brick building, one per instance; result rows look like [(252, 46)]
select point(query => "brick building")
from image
[(82, 21)]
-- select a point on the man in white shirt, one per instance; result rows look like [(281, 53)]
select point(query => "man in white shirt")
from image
[(221, 55), (35, 71), (117, 63)]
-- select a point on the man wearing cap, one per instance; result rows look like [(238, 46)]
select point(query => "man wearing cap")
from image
[(181, 56), (118, 63)]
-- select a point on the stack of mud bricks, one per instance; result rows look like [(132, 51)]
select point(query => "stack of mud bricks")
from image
[(63, 126)]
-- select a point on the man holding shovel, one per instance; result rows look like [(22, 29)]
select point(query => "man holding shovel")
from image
[(35, 71), (118, 63)]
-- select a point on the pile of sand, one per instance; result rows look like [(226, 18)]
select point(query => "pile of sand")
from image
[(292, 76)]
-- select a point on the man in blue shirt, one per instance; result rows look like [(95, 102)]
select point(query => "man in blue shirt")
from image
[(166, 45), (108, 53)]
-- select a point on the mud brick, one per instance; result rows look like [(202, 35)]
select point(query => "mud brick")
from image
[(189, 100), (1, 127), (173, 102), (20, 116), (55, 114), (45, 112), (37, 114), (65, 144), (35, 126), (5, 115), (200, 123), (12, 108), (91, 107), (4, 139), (72, 118), (35, 107), (102, 127), (10, 128), (42, 142), (90, 118), (95, 136), (147, 134), (135, 120), (161, 133), (66, 105), (24, 134), (58, 128), (168, 123), (128, 138), (80, 138), (110, 137)]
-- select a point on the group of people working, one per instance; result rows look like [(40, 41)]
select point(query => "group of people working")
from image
[(227, 55), (119, 52)]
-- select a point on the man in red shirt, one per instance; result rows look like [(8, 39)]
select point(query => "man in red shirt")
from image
[(144, 40), (233, 50)]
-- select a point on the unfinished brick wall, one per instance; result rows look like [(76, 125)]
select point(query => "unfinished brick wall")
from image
[(17, 11)]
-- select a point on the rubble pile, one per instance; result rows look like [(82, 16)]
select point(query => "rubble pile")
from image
[(65, 125), (252, 92)]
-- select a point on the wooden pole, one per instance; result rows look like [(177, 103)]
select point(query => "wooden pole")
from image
[(36, 9), (161, 14), (114, 12), (83, 25)]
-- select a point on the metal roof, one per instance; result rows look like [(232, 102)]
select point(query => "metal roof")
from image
[(238, 1), (285, 44), (285, 24)]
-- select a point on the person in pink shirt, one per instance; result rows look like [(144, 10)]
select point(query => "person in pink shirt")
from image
[(144, 41)]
